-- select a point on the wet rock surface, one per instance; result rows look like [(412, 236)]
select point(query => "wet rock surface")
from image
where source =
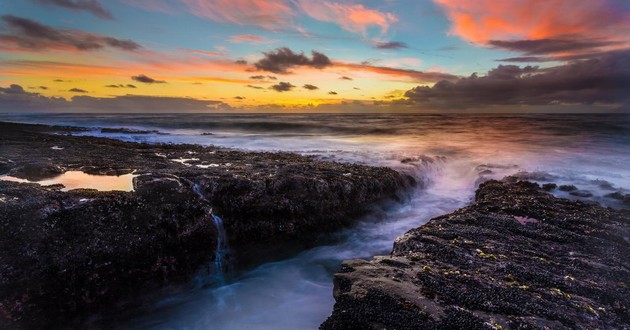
[(69, 254), (517, 258)]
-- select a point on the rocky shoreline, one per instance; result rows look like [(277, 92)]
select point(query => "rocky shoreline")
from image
[(517, 258), (66, 255)]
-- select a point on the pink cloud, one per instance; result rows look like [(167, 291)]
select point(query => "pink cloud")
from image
[(351, 17), (483, 20), (162, 6), (270, 15), (248, 39)]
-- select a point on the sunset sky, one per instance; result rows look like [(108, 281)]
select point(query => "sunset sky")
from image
[(314, 56)]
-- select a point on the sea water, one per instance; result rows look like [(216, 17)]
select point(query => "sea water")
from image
[(448, 154)]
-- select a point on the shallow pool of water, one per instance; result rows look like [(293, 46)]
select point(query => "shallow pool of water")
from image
[(81, 180)]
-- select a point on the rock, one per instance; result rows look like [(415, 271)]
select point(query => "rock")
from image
[(36, 171), (66, 255), (481, 268), (615, 195), (565, 187), (549, 186), (581, 193)]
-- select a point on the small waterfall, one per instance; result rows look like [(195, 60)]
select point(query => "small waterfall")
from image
[(222, 248)]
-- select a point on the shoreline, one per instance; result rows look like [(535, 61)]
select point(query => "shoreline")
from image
[(68, 255), (516, 258)]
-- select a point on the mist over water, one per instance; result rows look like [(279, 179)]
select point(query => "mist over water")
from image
[(448, 154)]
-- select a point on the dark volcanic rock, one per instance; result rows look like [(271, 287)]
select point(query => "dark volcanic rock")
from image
[(37, 170), (517, 258), (69, 254), (566, 187)]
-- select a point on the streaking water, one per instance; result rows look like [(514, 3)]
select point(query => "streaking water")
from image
[(450, 154), (221, 249)]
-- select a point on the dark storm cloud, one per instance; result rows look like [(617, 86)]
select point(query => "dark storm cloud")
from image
[(390, 45), (550, 46), (602, 80), (14, 98), (283, 59), (77, 90), (92, 6), (28, 34), (282, 87), (147, 80), (310, 87)]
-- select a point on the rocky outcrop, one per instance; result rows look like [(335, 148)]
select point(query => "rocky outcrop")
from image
[(517, 258), (68, 254)]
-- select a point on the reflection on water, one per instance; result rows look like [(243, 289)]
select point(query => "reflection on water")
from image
[(80, 180)]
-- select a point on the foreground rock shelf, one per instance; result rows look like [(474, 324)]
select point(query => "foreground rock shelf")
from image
[(69, 254), (517, 258)]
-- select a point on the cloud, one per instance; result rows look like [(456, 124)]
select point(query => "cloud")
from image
[(248, 39), (539, 26), (261, 77), (271, 15), (282, 87), (77, 90), (22, 33), (390, 45), (147, 80), (92, 6), (239, 97), (603, 80), (254, 87), (345, 78), (310, 87), (13, 90), (15, 99), (282, 59), (332, 93), (550, 46), (417, 76), (203, 52), (161, 6), (351, 17), (120, 86)]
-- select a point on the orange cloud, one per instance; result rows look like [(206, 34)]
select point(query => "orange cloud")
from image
[(351, 17), (483, 20)]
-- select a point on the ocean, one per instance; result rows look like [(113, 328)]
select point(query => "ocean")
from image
[(448, 154)]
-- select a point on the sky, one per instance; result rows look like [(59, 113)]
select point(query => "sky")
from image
[(434, 56)]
